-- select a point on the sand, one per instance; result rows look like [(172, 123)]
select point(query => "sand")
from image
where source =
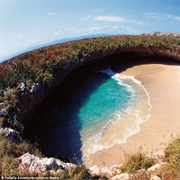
[(162, 82)]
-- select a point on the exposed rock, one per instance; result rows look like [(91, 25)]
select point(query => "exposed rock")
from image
[(68, 64), (95, 170), (108, 172), (22, 87), (27, 159), (115, 169), (155, 167), (141, 174), (6, 91), (34, 87), (3, 112), (35, 164), (124, 176), (158, 154), (11, 134), (153, 177), (12, 118)]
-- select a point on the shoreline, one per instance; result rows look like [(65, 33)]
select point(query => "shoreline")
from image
[(129, 118), (162, 83)]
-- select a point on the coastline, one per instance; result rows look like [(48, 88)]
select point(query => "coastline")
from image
[(162, 83), (128, 118)]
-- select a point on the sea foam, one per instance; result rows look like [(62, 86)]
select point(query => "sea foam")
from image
[(124, 123)]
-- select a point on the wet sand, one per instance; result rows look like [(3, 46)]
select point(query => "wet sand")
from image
[(162, 82)]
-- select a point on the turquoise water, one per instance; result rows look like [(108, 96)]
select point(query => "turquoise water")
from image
[(103, 103), (89, 113)]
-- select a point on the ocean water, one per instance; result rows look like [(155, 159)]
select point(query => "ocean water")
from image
[(119, 106), (102, 109)]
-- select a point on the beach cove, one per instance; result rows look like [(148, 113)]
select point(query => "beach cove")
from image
[(85, 113), (162, 82), (122, 54), (155, 82)]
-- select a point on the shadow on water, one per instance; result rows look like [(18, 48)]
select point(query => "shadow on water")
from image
[(56, 125)]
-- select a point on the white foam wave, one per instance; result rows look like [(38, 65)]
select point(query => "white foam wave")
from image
[(107, 71), (108, 133)]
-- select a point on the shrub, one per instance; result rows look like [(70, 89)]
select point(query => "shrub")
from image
[(136, 161), (172, 153), (171, 170), (78, 173), (17, 71), (9, 151), (10, 99), (12, 149), (9, 167)]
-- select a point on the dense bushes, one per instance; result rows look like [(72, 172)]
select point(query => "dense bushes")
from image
[(9, 151), (136, 161), (172, 157), (13, 73), (40, 64)]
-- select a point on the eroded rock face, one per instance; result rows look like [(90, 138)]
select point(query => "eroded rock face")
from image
[(105, 171), (155, 167), (3, 112), (11, 134), (34, 164)]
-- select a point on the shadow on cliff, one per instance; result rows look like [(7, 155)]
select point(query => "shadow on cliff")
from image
[(121, 62), (56, 125)]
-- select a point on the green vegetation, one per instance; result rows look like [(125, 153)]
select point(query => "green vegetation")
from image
[(78, 173), (172, 153), (135, 162), (43, 65), (15, 72), (9, 165), (9, 151), (171, 170)]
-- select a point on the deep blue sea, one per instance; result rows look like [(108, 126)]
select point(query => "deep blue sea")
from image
[(96, 112)]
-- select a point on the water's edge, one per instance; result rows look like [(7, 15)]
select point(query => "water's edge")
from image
[(126, 123)]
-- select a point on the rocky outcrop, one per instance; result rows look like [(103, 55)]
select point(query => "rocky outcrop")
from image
[(36, 165), (11, 134), (104, 171), (115, 173), (169, 34)]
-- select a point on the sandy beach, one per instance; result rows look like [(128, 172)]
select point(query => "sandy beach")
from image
[(162, 82)]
